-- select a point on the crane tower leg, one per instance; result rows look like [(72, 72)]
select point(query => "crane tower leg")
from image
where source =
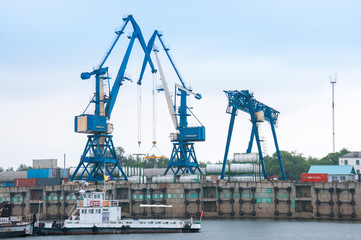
[(259, 145), (250, 144), (230, 130), (278, 151)]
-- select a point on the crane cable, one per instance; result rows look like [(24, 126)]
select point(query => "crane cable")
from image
[(139, 109), (154, 146), (154, 110)]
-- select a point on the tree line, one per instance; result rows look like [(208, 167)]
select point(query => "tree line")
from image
[(296, 163), (293, 163)]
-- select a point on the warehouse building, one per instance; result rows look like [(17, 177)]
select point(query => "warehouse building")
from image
[(335, 172)]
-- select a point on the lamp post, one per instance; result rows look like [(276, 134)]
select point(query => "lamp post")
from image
[(333, 81)]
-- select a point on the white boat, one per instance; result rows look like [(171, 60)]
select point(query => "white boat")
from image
[(94, 214)]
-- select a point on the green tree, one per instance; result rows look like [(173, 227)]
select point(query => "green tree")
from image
[(10, 169), (332, 158), (1, 169), (23, 167), (295, 164)]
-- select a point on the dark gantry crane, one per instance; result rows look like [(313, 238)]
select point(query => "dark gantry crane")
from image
[(259, 112), (99, 157)]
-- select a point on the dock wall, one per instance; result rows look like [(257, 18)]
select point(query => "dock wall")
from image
[(215, 199)]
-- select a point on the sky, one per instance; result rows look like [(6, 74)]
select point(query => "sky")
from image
[(282, 51)]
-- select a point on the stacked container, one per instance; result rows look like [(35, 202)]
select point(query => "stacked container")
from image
[(25, 182), (244, 168), (164, 179)]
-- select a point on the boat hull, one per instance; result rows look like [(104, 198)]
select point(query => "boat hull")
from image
[(110, 230), (15, 231)]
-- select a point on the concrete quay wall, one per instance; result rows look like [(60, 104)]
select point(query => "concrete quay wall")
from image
[(215, 199)]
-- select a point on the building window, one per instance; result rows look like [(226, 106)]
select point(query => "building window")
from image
[(346, 162), (357, 162)]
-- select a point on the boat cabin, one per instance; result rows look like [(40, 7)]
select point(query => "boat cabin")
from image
[(93, 207)]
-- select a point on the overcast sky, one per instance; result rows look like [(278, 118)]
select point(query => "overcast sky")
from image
[(283, 51)]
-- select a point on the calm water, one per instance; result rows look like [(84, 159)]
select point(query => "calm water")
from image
[(244, 229)]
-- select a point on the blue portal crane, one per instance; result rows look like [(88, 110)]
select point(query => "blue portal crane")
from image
[(259, 112), (99, 157), (183, 158)]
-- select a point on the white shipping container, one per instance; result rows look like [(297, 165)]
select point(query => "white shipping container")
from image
[(45, 163), (242, 178), (135, 179), (245, 157), (72, 170), (163, 179), (242, 168), (215, 168), (189, 178)]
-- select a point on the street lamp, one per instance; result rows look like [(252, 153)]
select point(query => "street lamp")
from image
[(333, 80)]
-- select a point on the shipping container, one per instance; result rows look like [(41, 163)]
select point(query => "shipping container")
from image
[(233, 168), (189, 178), (25, 182), (314, 177), (164, 179), (64, 173), (7, 185), (42, 173), (45, 163), (49, 181), (245, 157)]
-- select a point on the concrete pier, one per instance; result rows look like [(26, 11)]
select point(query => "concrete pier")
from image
[(216, 199)]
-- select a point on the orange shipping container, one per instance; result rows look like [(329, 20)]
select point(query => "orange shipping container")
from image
[(314, 177)]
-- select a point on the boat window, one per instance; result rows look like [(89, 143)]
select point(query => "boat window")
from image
[(105, 210), (91, 211), (97, 211), (83, 211)]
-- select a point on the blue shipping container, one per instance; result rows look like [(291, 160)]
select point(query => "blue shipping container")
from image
[(7, 185), (40, 173)]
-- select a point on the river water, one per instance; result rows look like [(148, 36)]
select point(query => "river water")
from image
[(257, 229)]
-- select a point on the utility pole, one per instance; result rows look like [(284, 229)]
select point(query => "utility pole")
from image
[(333, 81)]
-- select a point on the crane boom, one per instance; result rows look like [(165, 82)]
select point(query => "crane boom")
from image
[(120, 76), (183, 156), (119, 33), (166, 50), (166, 92)]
